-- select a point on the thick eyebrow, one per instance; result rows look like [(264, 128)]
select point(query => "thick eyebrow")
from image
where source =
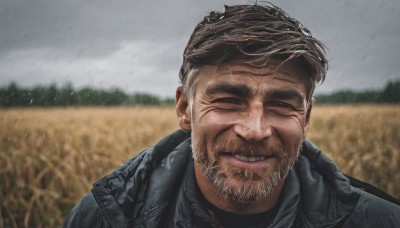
[(288, 94), (238, 90), (239, 72)]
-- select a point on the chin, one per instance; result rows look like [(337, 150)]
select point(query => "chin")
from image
[(243, 186)]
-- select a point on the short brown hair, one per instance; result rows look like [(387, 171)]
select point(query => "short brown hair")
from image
[(253, 34)]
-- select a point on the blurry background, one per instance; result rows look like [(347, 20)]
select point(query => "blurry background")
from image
[(137, 46)]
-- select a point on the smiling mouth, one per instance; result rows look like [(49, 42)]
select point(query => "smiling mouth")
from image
[(249, 158)]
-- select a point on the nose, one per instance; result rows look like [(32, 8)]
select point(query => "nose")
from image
[(253, 125)]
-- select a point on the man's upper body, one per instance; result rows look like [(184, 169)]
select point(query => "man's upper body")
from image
[(157, 188), (248, 77)]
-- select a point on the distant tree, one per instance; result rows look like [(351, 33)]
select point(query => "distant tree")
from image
[(368, 97), (146, 99), (168, 101), (338, 97), (37, 96), (11, 95), (391, 93), (50, 96), (88, 96), (115, 97), (67, 96)]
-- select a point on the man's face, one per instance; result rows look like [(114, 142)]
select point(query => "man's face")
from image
[(247, 127)]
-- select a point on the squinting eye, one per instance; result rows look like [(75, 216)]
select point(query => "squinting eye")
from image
[(282, 105), (230, 100)]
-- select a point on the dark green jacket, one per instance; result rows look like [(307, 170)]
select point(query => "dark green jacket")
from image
[(150, 190)]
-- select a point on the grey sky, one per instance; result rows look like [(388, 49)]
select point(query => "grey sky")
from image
[(137, 45)]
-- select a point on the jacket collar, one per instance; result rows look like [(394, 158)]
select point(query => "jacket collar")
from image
[(315, 194), (326, 195)]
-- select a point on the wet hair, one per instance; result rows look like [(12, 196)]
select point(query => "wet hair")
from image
[(252, 35)]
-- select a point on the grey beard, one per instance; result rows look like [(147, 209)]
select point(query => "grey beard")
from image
[(248, 190)]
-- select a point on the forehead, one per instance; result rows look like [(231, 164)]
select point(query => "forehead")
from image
[(288, 74)]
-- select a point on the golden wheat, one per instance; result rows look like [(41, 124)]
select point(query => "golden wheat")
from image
[(363, 140), (50, 157)]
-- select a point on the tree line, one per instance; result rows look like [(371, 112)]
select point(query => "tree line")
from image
[(389, 94), (47, 96)]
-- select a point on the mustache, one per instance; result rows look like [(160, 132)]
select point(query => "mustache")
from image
[(244, 148)]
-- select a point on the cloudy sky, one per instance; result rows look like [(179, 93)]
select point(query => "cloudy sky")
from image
[(137, 45)]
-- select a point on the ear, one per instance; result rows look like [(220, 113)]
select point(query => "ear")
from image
[(182, 110), (308, 116)]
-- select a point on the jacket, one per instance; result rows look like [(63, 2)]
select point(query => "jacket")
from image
[(151, 190)]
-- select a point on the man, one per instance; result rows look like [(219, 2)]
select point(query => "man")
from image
[(241, 158)]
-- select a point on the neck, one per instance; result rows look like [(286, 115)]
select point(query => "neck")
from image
[(218, 199)]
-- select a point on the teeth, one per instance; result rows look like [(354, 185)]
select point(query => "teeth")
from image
[(248, 159)]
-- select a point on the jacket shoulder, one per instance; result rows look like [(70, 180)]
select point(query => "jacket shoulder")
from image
[(373, 211), (86, 214), (119, 198), (365, 205)]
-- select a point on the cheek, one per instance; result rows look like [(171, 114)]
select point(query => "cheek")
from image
[(290, 131), (215, 121), (208, 127)]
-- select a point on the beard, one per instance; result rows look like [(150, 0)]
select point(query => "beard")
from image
[(238, 184)]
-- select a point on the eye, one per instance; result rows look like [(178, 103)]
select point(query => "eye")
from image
[(229, 100), (280, 104), (229, 103)]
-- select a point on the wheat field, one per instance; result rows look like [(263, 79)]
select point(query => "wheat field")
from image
[(50, 157)]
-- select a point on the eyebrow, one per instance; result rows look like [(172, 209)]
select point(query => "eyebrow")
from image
[(238, 90), (239, 72), (288, 94), (245, 91)]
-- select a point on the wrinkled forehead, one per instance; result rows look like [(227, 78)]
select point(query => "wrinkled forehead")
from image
[(291, 70)]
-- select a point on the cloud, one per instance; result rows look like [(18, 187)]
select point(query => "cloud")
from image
[(137, 46), (94, 27), (135, 67)]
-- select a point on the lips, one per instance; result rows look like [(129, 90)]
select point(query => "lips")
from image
[(250, 162), (249, 158)]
